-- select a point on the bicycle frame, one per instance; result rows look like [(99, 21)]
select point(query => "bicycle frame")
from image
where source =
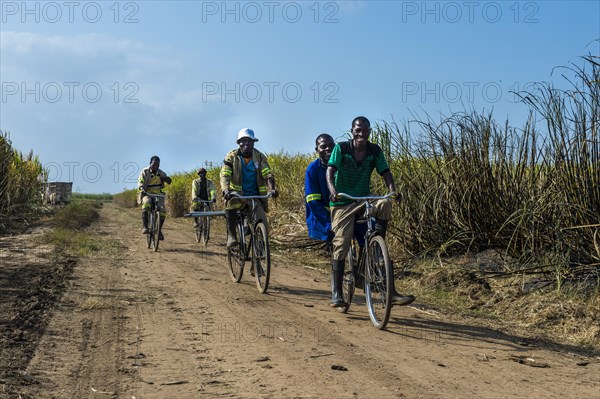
[(367, 202), (249, 217), (153, 236), (205, 204), (202, 227), (260, 252), (376, 279)]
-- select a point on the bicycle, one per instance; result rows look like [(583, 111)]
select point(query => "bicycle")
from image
[(373, 266), (202, 227), (152, 237), (258, 241)]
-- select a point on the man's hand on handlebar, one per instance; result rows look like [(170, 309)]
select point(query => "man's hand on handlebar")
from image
[(274, 193), (333, 196), (227, 194)]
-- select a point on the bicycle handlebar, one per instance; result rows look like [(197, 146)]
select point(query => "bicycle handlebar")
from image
[(369, 197), (201, 200), (236, 195), (155, 195)]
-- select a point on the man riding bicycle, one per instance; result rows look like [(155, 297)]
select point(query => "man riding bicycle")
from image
[(245, 171), (151, 181), (349, 171), (203, 189)]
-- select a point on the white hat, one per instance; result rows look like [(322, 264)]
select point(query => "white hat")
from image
[(245, 132)]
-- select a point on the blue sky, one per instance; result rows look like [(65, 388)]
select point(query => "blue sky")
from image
[(97, 87)]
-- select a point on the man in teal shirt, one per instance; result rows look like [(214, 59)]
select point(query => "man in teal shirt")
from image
[(349, 171)]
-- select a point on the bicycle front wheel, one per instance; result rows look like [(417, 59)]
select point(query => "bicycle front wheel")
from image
[(348, 282), (236, 257), (379, 282), (198, 233), (205, 223), (198, 229), (156, 230), (150, 234), (261, 257)]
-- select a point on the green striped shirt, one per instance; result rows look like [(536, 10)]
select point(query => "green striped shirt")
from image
[(353, 178)]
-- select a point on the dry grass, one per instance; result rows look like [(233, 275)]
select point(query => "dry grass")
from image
[(520, 304)]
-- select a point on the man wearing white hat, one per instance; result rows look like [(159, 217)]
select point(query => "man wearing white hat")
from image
[(245, 171)]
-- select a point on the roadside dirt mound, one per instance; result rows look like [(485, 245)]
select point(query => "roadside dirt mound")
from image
[(32, 281)]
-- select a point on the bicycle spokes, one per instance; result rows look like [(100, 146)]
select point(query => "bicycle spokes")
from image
[(378, 287), (261, 257)]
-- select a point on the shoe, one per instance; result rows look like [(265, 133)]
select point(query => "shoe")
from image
[(232, 220), (337, 280), (160, 236), (145, 229), (402, 300)]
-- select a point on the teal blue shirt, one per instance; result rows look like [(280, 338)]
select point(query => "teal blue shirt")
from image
[(249, 185)]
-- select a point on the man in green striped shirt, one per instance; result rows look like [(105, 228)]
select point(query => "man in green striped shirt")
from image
[(349, 171)]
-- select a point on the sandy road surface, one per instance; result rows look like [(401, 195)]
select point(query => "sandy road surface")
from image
[(172, 325)]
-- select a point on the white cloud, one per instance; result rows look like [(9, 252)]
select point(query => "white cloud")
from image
[(32, 57), (84, 45)]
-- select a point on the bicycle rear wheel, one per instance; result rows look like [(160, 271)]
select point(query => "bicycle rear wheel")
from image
[(261, 257), (379, 280), (156, 230), (348, 282), (205, 223), (236, 257)]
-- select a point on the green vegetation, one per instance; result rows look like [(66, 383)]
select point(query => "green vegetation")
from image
[(77, 215), (126, 199), (20, 184), (70, 236), (92, 197)]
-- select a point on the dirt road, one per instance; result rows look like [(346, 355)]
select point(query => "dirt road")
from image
[(171, 324)]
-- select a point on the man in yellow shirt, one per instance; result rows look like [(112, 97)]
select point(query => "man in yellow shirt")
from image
[(245, 171), (151, 181)]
